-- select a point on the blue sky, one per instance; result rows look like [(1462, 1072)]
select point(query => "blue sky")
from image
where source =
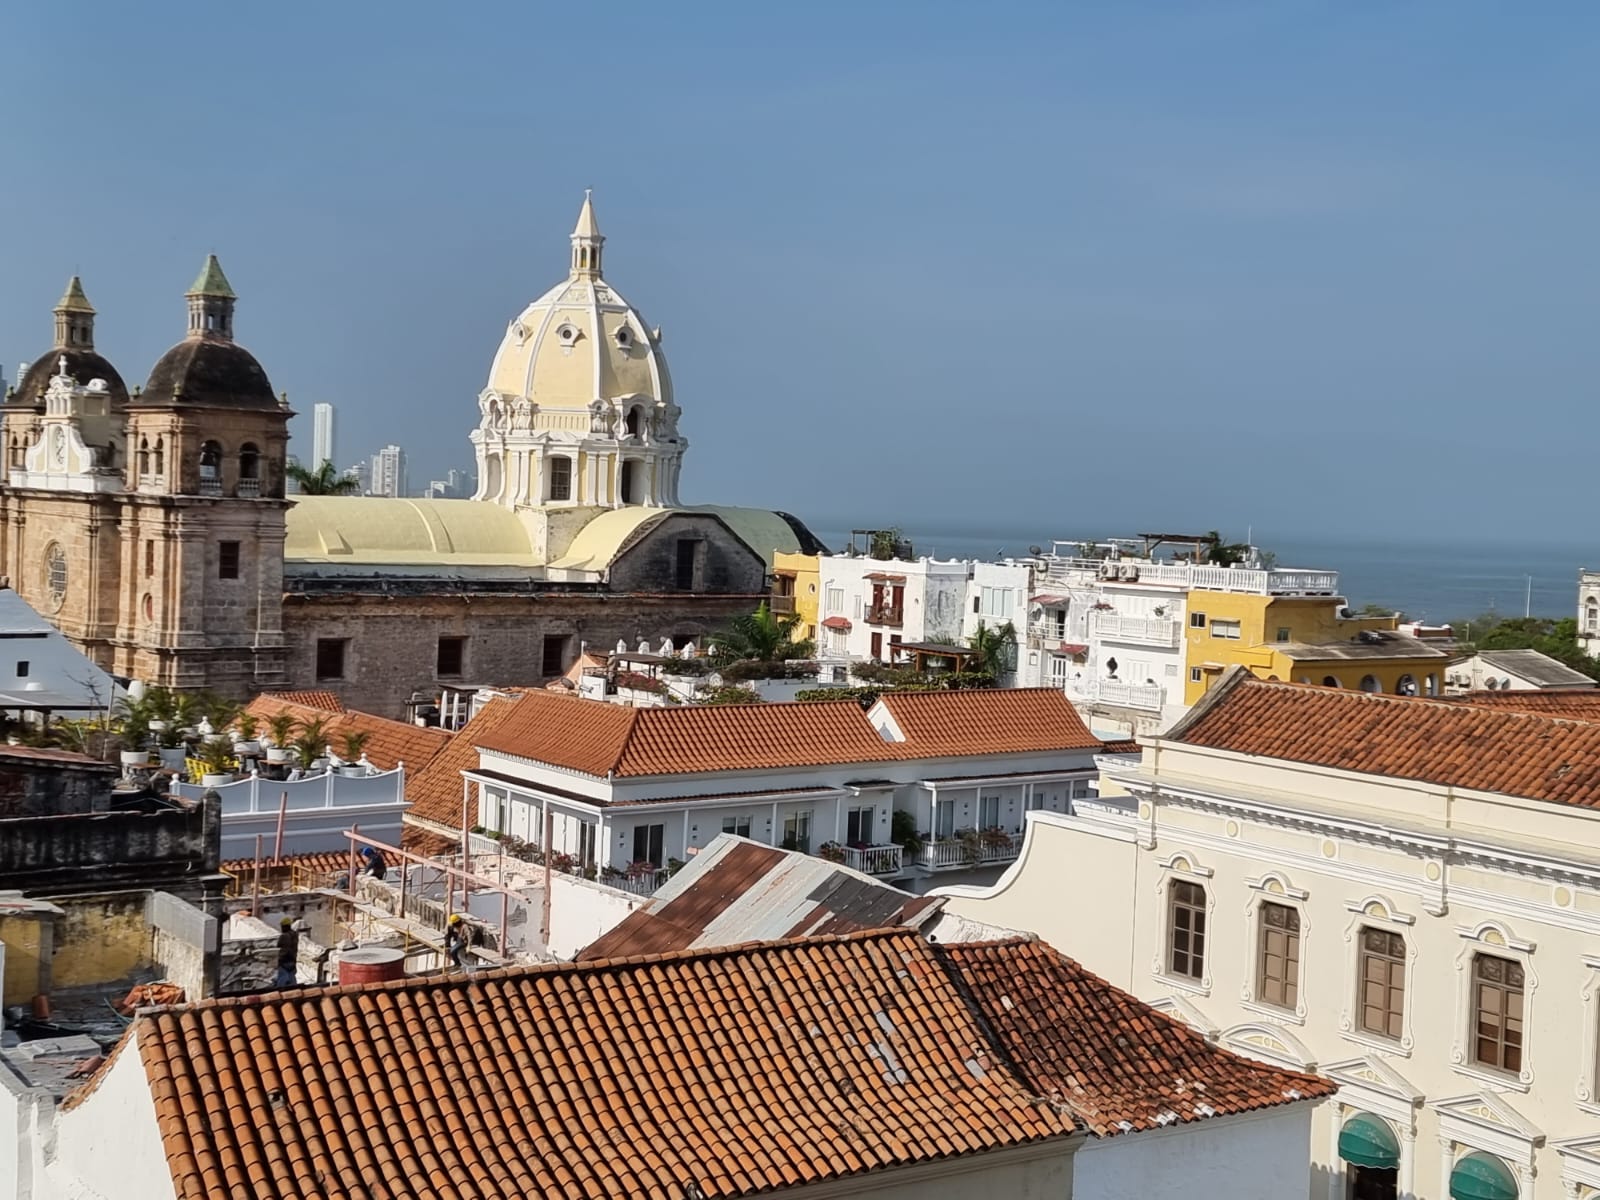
[(1323, 268)]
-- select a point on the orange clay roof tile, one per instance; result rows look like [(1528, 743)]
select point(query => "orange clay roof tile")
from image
[(389, 743), (607, 739), (435, 790), (326, 701), (738, 1070), (1445, 742)]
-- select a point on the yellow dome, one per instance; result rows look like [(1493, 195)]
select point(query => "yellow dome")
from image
[(581, 341), (376, 531)]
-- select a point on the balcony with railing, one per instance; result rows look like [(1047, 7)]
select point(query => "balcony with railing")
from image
[(210, 487), (972, 849), (1135, 631), (781, 604), (873, 860), (1113, 692), (1080, 572), (249, 489), (885, 614)]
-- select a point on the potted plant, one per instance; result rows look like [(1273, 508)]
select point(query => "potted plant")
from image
[(831, 852), (281, 727), (352, 745), (217, 756), (311, 746), (244, 731), (971, 846)]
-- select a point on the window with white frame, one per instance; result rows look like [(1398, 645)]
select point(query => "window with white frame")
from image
[(858, 826), (797, 832), (1060, 670), (1186, 929), (1228, 630), (1278, 955), (835, 600), (997, 602), (1494, 1005), (1196, 675), (738, 826), (1382, 985), (1078, 789), (1497, 1000), (1197, 620), (838, 641), (944, 819)]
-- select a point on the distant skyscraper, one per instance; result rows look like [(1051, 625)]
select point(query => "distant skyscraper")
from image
[(321, 434), (389, 472)]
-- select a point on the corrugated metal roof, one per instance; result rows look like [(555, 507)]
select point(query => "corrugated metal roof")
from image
[(739, 891)]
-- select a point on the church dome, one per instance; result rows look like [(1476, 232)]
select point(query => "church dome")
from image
[(209, 374), (83, 365), (581, 341), (208, 369), (74, 341)]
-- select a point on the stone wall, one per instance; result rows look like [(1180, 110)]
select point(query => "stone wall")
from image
[(722, 562), (37, 784), (186, 943), (392, 641), (74, 853)]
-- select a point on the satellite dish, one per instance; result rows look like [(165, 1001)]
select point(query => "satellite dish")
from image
[(1035, 550)]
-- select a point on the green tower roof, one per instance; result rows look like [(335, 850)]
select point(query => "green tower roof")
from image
[(73, 299), (211, 281)]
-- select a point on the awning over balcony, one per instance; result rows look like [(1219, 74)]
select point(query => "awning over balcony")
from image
[(836, 622), (1073, 648), (879, 577), (1051, 600)]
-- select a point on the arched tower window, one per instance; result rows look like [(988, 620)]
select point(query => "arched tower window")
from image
[(144, 456), (249, 461), (635, 422), (161, 458), (210, 468)]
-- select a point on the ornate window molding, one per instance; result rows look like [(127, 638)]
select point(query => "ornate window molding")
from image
[(1580, 1167), (1182, 865), (1588, 1087), (1377, 912), (1371, 1085), (1271, 1044), (1493, 938), (1486, 1123), (1273, 888)]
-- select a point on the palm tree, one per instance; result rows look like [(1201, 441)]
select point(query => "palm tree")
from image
[(326, 480), (762, 636), (993, 649)]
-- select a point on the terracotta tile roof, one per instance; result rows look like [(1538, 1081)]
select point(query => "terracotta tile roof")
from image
[(326, 701), (1117, 1063), (316, 861), (435, 790), (388, 743), (740, 1071), (1572, 705), (736, 890), (600, 739), (1129, 746), (426, 842), (988, 721), (1436, 741)]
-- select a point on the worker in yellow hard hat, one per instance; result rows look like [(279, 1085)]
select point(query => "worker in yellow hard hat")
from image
[(457, 937)]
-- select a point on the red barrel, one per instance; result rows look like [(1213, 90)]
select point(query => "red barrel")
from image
[(371, 964)]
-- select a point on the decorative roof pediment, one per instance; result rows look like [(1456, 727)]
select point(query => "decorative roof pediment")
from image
[(1374, 1075), (1486, 1121), (1270, 1042), (1580, 1160)]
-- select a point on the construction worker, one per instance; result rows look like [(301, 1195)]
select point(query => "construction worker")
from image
[(374, 863), (457, 937), (288, 954)]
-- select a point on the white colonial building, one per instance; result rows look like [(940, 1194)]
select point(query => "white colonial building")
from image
[(1402, 894), (626, 791)]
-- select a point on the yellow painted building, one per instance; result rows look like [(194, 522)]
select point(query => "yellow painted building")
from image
[(796, 578), (1303, 639)]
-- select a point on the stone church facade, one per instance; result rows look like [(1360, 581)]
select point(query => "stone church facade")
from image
[(153, 527)]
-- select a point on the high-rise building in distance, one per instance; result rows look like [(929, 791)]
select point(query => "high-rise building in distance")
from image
[(322, 449), (388, 472)]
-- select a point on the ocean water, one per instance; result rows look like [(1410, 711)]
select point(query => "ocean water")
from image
[(1426, 580)]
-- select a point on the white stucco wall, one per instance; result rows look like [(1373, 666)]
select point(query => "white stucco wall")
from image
[(581, 911), (109, 1145), (1251, 1157)]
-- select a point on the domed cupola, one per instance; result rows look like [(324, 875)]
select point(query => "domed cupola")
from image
[(208, 369), (578, 410), (74, 341)]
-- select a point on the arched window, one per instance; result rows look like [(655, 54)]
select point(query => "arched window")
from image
[(210, 469), (1430, 685), (1330, 681), (161, 458), (1369, 683), (635, 422), (1407, 686), (144, 456), (1591, 616), (249, 461)]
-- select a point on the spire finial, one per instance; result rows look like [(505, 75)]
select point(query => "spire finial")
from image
[(586, 239)]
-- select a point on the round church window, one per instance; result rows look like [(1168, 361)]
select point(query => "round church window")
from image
[(55, 573)]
